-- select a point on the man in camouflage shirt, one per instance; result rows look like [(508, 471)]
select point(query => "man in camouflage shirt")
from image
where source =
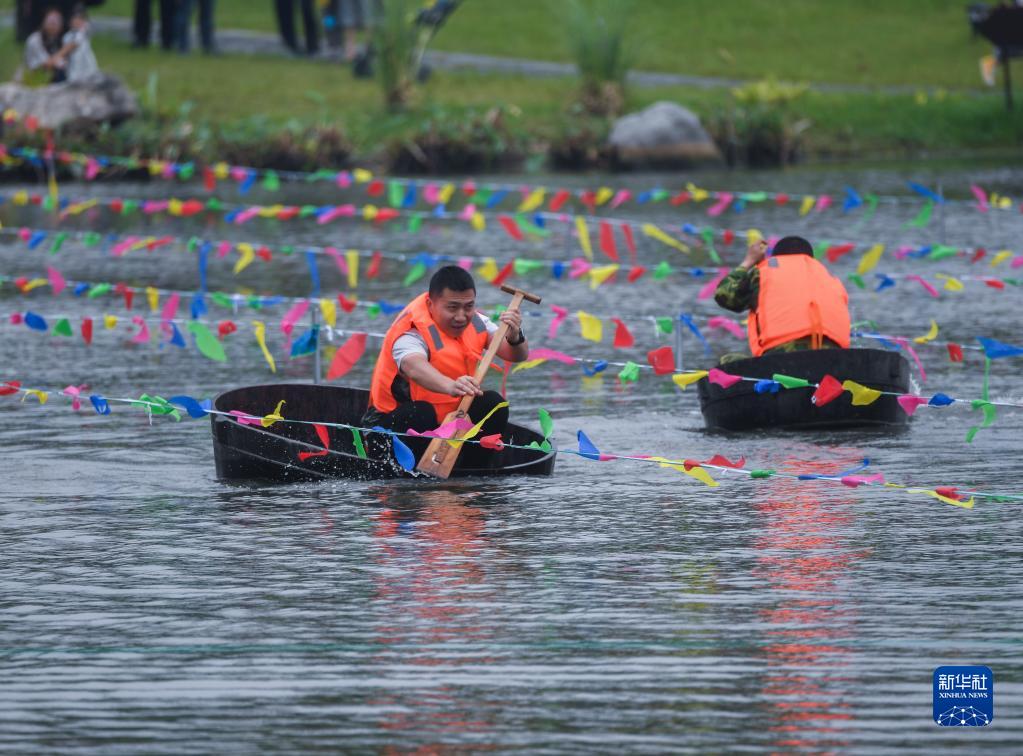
[(739, 291)]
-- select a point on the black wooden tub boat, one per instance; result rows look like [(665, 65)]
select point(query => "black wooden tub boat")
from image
[(739, 407), (251, 452)]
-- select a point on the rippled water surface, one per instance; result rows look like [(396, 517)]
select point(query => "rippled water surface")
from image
[(146, 607)]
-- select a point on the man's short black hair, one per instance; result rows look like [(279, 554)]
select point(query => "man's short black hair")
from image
[(793, 245), (453, 278)]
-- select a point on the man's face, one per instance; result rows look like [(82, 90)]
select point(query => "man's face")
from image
[(452, 311)]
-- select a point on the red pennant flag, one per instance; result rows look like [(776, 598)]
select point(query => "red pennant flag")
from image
[(506, 271), (346, 304), (781, 199), (117, 206), (9, 387), (689, 464), (87, 330), (224, 328), (978, 255), (728, 236), (511, 227), (385, 214), (288, 213), (662, 360), (589, 199), (720, 461), (994, 283), (347, 355), (949, 492), (636, 273), (492, 442), (469, 188), (559, 200), (127, 292), (622, 336), (607, 240), (192, 207), (264, 253), (375, 188), (630, 242), (828, 390), (209, 179), (955, 352), (321, 431), (679, 198), (835, 251), (374, 265)]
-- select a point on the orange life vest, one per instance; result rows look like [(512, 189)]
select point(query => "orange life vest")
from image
[(798, 297), (452, 357)]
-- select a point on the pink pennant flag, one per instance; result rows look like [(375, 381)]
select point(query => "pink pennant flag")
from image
[(142, 337), (724, 200), (861, 480), (238, 174), (467, 212), (123, 246), (245, 418), (430, 192), (91, 169), (726, 324), (721, 378), (154, 206), (927, 287), (347, 211), (981, 196), (57, 282), (223, 249), (24, 234), (708, 289), (246, 215), (909, 403), (560, 313), (343, 180), (465, 263), (903, 252), (542, 353), (904, 343), (579, 268), (630, 241), (74, 392), (623, 195), (447, 430), (293, 316), (823, 203), (335, 255), (170, 307)]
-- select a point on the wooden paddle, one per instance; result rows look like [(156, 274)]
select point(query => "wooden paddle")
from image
[(440, 456)]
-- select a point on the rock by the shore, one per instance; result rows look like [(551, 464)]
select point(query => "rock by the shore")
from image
[(664, 134), (104, 99)]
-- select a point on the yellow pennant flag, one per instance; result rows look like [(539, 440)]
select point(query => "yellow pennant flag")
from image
[(445, 194), (861, 395), (80, 207), (528, 365), (471, 433), (698, 194), (1002, 203), (590, 327), (174, 206), (870, 259), (20, 198), (532, 201), (488, 270), (221, 171), (584, 237), (154, 298), (329, 310), (968, 504), (603, 195), (273, 417), (361, 175), (687, 379), (808, 202), (42, 396), (931, 335), (478, 222), (600, 274), (260, 330), (246, 254), (109, 322), (141, 244), (369, 212), (35, 283), (271, 211), (352, 258), (649, 229), (701, 475), (1000, 258), (951, 284), (155, 167), (753, 236)]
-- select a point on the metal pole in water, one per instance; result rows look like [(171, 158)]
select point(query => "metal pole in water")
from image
[(941, 212), (316, 357), (678, 346)]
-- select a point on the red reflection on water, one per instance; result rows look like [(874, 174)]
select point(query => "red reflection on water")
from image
[(803, 556)]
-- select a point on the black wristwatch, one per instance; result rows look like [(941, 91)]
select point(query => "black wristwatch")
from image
[(522, 337)]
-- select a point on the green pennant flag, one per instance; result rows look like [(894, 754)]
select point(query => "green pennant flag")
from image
[(754, 196), (157, 405), (761, 473), (941, 251), (395, 193), (63, 328), (58, 242), (529, 227), (923, 217), (546, 423), (373, 311), (522, 266), (193, 244), (91, 239), (221, 299), (629, 373), (415, 223), (659, 195), (415, 273), (271, 182), (214, 204), (707, 235), (206, 342), (857, 279), (186, 171), (357, 442), (306, 210), (665, 325), (789, 381), (663, 270), (990, 414), (98, 290)]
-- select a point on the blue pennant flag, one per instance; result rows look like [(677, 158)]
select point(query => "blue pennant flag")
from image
[(314, 272), (995, 349), (852, 200), (194, 408), (696, 331), (586, 447), (598, 367), (307, 343), (403, 454), (925, 192)]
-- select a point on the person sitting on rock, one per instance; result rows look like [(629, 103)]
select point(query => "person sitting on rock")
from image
[(44, 63), (794, 302)]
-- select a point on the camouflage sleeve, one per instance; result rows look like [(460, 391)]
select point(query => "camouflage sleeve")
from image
[(738, 291)]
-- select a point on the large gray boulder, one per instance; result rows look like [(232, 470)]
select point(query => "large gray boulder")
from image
[(663, 134), (102, 99)]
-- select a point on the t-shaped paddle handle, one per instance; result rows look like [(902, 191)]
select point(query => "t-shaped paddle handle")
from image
[(525, 294)]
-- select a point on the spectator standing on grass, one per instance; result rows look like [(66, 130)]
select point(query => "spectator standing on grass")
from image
[(77, 49), (183, 18), (354, 16), (142, 25), (286, 24)]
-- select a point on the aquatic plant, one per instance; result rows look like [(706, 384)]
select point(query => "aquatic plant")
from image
[(597, 35), (394, 38), (761, 127)]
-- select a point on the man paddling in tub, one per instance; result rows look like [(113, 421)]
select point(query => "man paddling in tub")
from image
[(428, 358)]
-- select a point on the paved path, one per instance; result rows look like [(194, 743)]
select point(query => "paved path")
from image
[(244, 42)]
